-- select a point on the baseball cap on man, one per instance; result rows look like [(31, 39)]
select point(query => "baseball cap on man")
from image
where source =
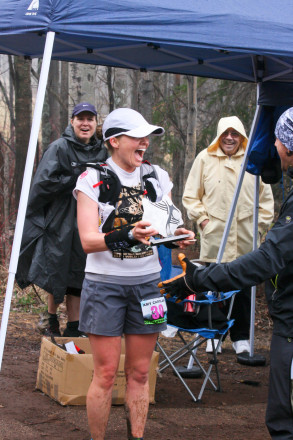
[(284, 129), (84, 107), (130, 123)]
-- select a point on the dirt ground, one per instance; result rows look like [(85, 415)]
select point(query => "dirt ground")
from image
[(237, 412)]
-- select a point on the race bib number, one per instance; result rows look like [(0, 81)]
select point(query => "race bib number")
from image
[(154, 311)]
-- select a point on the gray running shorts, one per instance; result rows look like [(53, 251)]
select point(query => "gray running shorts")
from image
[(113, 309)]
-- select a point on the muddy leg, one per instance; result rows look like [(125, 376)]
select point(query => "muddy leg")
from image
[(139, 349)]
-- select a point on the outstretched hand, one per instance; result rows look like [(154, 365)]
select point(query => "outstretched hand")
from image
[(180, 286)]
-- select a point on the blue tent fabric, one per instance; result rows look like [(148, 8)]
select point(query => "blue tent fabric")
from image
[(230, 39), (165, 257), (227, 39), (262, 148), (274, 98)]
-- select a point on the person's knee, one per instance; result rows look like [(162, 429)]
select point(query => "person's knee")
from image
[(105, 377), (138, 375)]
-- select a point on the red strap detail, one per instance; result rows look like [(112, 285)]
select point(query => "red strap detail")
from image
[(98, 184), (146, 161), (145, 192)]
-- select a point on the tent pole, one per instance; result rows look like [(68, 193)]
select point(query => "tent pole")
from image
[(238, 188), (238, 185), (26, 186), (254, 247), (246, 358)]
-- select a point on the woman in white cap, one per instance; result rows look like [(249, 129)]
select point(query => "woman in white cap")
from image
[(271, 262), (122, 269), (207, 198)]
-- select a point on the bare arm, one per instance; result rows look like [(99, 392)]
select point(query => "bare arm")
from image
[(88, 224)]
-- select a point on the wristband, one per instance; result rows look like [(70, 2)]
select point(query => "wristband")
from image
[(120, 239)]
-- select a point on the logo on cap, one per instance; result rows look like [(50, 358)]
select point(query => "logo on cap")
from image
[(84, 107)]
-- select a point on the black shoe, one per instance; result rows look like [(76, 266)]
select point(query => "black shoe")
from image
[(70, 333), (53, 327), (52, 330)]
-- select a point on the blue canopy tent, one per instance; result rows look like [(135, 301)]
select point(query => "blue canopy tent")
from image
[(227, 39)]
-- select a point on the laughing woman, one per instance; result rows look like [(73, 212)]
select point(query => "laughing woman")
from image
[(122, 269)]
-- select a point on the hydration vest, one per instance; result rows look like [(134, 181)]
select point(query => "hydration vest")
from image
[(110, 190)]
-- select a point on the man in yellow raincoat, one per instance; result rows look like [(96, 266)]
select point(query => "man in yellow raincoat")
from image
[(207, 198)]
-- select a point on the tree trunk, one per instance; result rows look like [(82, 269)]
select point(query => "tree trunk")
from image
[(146, 99), (23, 118), (190, 149), (134, 76), (110, 88), (6, 199), (179, 151), (53, 91), (64, 117), (55, 104), (158, 142), (82, 84), (46, 127)]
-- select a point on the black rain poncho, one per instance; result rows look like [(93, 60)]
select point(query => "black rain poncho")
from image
[(51, 254)]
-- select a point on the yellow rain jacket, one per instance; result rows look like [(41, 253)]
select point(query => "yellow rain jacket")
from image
[(208, 194)]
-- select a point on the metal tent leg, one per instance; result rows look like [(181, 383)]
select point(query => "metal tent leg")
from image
[(26, 186)]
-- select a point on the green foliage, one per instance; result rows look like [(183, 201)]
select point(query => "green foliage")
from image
[(28, 301), (166, 114)]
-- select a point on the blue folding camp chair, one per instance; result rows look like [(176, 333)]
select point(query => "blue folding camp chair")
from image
[(207, 321)]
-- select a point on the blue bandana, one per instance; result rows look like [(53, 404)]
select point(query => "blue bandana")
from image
[(284, 129)]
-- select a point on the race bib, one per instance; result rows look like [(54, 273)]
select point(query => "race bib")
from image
[(154, 311)]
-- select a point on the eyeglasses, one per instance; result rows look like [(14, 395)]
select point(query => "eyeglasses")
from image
[(231, 133)]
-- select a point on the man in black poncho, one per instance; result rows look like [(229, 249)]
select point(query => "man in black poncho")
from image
[(51, 255), (271, 262)]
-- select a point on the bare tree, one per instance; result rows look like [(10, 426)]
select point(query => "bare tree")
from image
[(51, 111), (134, 76), (5, 224), (219, 98), (82, 85), (64, 95), (53, 90), (190, 149), (146, 101), (23, 117), (110, 78)]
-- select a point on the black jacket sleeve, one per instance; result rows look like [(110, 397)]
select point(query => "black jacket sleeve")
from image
[(53, 176), (257, 266)]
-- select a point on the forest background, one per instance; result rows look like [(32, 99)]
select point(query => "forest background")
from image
[(187, 107)]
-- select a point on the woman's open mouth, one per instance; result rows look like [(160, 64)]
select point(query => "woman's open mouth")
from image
[(140, 152)]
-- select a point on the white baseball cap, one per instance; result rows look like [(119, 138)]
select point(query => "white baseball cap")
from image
[(129, 122)]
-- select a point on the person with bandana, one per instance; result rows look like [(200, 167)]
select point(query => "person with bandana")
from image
[(272, 262)]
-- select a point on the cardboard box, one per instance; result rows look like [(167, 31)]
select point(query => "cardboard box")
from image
[(66, 377)]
